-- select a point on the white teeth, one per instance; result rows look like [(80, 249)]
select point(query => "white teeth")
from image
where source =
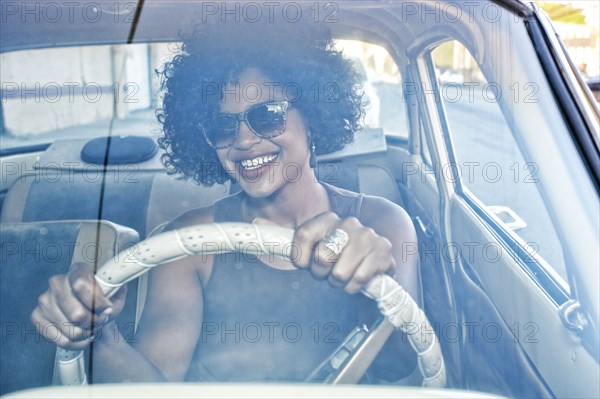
[(249, 164)]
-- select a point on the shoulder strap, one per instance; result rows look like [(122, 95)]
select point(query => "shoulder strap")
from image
[(345, 203)]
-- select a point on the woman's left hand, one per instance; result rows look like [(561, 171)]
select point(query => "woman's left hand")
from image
[(350, 265)]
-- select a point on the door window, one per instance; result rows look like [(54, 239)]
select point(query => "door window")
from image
[(382, 86), (492, 167)]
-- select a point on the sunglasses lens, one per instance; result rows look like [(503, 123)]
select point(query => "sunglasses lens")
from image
[(221, 131), (268, 120)]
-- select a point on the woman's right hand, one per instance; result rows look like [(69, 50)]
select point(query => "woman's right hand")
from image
[(74, 307)]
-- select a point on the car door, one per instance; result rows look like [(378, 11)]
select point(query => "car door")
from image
[(520, 213)]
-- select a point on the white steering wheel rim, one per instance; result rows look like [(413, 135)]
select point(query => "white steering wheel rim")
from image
[(393, 301)]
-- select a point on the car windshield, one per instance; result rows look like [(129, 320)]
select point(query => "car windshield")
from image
[(388, 194)]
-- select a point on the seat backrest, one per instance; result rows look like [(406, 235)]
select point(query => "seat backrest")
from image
[(138, 194), (360, 177), (153, 198), (32, 253), (134, 189)]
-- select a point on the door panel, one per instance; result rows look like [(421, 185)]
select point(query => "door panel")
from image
[(509, 292), (532, 317)]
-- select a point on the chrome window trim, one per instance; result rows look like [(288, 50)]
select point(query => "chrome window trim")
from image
[(581, 120), (540, 271)]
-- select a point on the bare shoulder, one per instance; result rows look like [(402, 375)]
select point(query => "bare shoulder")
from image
[(387, 218), (393, 222)]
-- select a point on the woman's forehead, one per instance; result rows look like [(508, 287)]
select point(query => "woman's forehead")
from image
[(249, 88)]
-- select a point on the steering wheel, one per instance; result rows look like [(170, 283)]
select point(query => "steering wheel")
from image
[(399, 309)]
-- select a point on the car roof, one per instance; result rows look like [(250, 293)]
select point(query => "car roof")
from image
[(41, 24)]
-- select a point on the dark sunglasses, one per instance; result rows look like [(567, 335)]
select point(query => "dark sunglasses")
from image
[(265, 120)]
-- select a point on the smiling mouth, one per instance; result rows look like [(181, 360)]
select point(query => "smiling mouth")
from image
[(249, 164)]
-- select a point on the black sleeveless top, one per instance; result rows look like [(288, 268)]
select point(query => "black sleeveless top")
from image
[(266, 324)]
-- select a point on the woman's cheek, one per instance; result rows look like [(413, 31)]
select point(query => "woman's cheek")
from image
[(225, 162)]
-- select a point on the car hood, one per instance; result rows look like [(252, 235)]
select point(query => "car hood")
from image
[(180, 390)]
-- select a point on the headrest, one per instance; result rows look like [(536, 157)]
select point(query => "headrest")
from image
[(121, 150), (366, 141)]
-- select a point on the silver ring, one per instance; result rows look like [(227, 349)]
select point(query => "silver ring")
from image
[(336, 241)]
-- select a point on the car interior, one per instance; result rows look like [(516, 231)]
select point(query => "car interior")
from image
[(103, 194)]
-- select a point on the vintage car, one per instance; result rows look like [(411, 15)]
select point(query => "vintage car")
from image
[(483, 131)]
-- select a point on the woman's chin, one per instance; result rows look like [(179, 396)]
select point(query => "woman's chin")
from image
[(258, 182), (258, 189)]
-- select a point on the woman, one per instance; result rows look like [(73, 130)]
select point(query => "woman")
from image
[(253, 103)]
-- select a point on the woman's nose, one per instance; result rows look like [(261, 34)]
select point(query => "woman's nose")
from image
[(245, 138)]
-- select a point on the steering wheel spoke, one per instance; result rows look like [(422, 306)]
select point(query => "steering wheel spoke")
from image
[(350, 361)]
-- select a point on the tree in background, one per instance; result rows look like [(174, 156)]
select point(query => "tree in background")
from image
[(561, 12)]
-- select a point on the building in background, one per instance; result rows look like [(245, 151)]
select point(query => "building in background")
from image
[(577, 24)]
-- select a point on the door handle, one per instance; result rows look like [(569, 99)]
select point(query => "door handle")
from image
[(571, 316), (508, 217), (424, 227)]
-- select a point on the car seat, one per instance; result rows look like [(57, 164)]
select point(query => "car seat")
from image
[(31, 254)]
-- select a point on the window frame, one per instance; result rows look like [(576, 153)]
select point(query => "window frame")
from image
[(537, 268)]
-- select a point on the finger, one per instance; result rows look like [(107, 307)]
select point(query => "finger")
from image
[(46, 320), (308, 234), (263, 221), (51, 322), (60, 304), (373, 264), (356, 235), (320, 271), (349, 260), (342, 264), (87, 291), (118, 301), (53, 333)]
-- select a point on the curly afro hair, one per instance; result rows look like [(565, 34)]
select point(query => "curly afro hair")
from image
[(298, 57)]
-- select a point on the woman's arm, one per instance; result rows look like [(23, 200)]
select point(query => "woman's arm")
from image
[(169, 328), (397, 359), (392, 222), (167, 333), (377, 243)]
